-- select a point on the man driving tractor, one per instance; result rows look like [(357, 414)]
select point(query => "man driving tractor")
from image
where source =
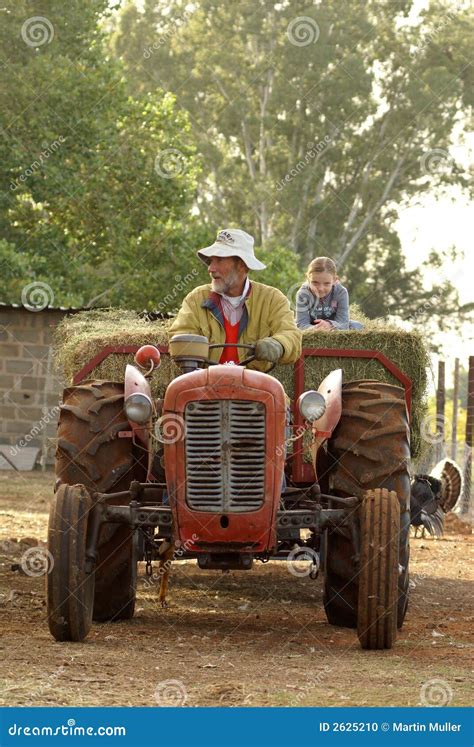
[(218, 493), (233, 309)]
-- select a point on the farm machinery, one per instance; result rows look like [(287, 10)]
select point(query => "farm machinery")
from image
[(222, 471)]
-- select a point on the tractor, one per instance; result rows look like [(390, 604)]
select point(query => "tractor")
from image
[(223, 471)]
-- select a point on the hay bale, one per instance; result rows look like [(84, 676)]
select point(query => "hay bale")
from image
[(406, 349), (80, 337)]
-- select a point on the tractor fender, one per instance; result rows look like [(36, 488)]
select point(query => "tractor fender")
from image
[(331, 389), (135, 383)]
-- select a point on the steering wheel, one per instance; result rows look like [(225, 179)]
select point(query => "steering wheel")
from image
[(238, 345)]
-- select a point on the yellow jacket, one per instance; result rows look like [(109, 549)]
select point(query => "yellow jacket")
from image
[(266, 313)]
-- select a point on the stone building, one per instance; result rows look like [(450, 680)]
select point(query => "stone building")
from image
[(30, 387)]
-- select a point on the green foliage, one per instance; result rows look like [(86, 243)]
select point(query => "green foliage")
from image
[(315, 137), (128, 139), (283, 269), (97, 206)]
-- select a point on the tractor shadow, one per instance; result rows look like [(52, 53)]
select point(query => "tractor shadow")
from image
[(270, 581)]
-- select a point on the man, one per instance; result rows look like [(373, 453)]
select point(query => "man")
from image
[(233, 309)]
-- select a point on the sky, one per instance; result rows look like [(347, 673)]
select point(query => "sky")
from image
[(440, 222)]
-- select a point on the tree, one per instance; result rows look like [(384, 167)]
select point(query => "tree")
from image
[(316, 122), (100, 184)]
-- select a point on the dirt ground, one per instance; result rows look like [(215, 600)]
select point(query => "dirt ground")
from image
[(240, 638)]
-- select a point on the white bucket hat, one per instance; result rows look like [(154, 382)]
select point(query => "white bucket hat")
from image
[(232, 242)]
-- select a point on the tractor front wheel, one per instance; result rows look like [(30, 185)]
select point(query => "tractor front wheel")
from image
[(378, 569), (69, 587)]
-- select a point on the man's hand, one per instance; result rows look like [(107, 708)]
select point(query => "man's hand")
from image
[(268, 349)]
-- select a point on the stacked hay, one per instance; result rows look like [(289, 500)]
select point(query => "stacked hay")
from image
[(83, 335), (80, 337), (406, 349)]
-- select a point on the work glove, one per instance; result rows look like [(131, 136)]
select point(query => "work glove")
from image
[(268, 349)]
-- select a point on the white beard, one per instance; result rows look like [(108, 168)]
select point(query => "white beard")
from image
[(221, 285), (218, 285)]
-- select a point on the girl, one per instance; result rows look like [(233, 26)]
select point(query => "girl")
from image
[(322, 301)]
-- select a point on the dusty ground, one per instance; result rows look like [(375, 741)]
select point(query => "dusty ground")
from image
[(257, 638)]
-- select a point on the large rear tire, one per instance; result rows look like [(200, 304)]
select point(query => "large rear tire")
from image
[(69, 588), (378, 569), (90, 451), (370, 449), (340, 580)]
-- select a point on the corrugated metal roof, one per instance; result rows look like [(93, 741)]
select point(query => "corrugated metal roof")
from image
[(48, 308), (150, 314)]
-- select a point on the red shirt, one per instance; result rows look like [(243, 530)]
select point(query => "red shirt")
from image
[(231, 335)]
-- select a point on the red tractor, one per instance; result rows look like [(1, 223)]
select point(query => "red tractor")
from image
[(230, 484)]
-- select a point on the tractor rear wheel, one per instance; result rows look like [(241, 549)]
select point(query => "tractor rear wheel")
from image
[(69, 588), (378, 569), (90, 452), (370, 449)]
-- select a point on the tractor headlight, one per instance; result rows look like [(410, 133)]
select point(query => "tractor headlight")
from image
[(312, 405), (138, 408)]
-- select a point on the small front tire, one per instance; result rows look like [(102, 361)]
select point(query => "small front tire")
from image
[(378, 569), (69, 587)]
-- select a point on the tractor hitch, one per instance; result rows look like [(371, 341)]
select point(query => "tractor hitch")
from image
[(318, 518), (132, 512)]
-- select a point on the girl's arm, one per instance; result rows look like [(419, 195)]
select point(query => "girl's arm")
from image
[(342, 312), (303, 304)]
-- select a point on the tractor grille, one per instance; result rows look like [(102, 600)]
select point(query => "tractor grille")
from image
[(225, 455)]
